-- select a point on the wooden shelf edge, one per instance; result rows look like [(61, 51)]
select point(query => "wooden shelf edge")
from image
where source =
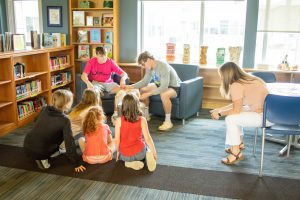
[(32, 96), (61, 85), (103, 27), (62, 68), (5, 82), (30, 75), (6, 127), (92, 9), (28, 119), (5, 103)]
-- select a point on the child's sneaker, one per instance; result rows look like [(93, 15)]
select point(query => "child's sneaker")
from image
[(136, 165), (151, 162), (43, 164), (166, 126)]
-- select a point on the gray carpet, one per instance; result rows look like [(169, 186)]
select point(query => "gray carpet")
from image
[(199, 144)]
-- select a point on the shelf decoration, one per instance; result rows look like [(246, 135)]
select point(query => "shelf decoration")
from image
[(186, 54), (170, 57), (54, 16), (108, 4), (203, 53), (234, 54), (220, 56), (86, 4)]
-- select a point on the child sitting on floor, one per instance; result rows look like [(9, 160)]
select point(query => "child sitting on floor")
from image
[(51, 128), (131, 133), (98, 145)]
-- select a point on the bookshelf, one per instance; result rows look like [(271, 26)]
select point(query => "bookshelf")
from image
[(106, 30), (21, 98)]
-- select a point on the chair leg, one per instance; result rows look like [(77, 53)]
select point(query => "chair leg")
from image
[(255, 139), (262, 152), (183, 121), (289, 145), (198, 114)]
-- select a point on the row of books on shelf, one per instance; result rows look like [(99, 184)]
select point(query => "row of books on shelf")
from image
[(19, 70), (10, 42), (84, 51), (79, 19), (26, 108), (28, 89), (61, 78), (59, 62), (95, 35), (51, 40)]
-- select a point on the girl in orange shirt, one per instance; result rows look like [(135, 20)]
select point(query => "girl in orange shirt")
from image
[(97, 146)]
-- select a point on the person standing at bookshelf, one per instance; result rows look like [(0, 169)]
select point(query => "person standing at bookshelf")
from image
[(97, 74), (160, 78)]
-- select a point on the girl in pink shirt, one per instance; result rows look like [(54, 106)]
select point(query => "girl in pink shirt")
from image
[(98, 145), (247, 94)]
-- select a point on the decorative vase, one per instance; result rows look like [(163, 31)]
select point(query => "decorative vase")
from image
[(234, 54), (170, 56), (220, 56), (203, 53), (186, 54), (108, 4)]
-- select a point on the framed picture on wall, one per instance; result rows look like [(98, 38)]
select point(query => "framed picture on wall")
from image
[(54, 16)]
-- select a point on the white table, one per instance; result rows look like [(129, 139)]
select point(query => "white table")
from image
[(284, 89)]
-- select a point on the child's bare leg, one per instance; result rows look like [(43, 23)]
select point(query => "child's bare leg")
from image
[(81, 142)]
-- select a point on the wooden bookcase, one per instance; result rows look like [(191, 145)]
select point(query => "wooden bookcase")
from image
[(37, 67), (97, 10)]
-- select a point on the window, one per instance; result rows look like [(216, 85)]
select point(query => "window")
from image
[(25, 17), (212, 23), (278, 32)]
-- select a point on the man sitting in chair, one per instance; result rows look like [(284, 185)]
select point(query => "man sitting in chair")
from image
[(97, 74), (160, 78)]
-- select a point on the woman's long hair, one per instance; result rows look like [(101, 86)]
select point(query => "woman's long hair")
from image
[(89, 98), (92, 120), (130, 108), (231, 73)]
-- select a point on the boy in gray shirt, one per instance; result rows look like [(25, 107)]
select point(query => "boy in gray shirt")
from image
[(160, 78)]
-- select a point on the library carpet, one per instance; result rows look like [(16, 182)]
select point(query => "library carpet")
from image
[(170, 178)]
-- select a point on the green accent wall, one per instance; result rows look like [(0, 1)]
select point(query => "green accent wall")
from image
[(3, 21), (65, 17)]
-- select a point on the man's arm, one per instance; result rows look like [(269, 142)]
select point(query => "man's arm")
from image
[(84, 78), (124, 76)]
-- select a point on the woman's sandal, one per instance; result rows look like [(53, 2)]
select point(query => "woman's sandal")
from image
[(241, 146), (237, 157)]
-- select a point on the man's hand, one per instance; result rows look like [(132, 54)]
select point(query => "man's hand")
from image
[(145, 95), (90, 86), (80, 169)]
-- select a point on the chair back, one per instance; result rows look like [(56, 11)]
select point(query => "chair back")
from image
[(283, 110), (186, 71), (268, 77)]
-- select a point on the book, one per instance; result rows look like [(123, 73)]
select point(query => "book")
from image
[(63, 39), (19, 42), (89, 20), (82, 36), (56, 39), (107, 19), (84, 52), (78, 18), (109, 50), (95, 35), (96, 21), (1, 42), (109, 37), (47, 40)]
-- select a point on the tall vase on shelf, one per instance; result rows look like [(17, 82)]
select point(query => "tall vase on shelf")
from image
[(186, 54), (203, 52), (220, 56), (170, 56)]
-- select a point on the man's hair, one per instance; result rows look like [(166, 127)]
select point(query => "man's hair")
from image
[(101, 51), (144, 56)]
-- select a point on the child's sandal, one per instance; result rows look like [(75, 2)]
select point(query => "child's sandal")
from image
[(241, 146), (237, 157)]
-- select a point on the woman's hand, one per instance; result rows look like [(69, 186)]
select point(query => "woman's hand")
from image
[(80, 169), (214, 114)]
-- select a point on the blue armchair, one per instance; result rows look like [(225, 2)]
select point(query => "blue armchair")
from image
[(189, 100), (268, 77)]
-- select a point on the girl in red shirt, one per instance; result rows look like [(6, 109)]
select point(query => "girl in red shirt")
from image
[(98, 145), (133, 140)]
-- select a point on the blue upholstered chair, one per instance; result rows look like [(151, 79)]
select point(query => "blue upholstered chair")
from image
[(268, 77), (283, 112), (189, 100)]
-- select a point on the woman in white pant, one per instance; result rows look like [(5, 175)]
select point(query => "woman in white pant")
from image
[(247, 94)]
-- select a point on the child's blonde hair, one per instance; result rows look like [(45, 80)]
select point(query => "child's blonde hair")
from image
[(89, 98), (92, 119), (130, 108), (62, 99)]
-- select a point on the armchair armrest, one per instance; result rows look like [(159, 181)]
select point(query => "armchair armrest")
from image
[(191, 92), (116, 78)]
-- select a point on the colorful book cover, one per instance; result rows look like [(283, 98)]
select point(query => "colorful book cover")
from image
[(89, 20), (19, 42), (78, 18), (63, 40), (109, 50), (95, 35), (109, 37), (84, 52), (56, 39), (82, 36)]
